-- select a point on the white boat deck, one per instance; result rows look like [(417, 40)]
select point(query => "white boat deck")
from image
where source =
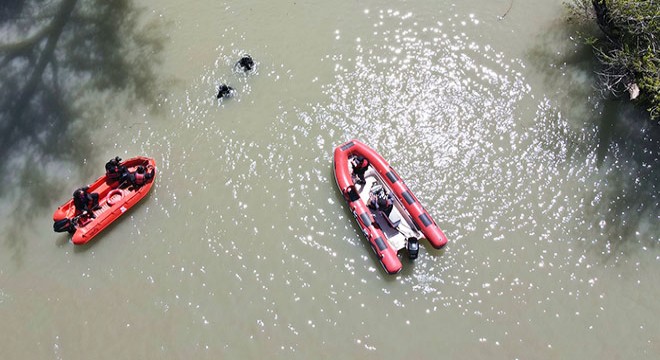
[(398, 227)]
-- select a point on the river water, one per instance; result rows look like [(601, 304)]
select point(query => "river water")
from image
[(245, 249)]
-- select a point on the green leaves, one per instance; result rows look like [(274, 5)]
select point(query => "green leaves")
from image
[(629, 46)]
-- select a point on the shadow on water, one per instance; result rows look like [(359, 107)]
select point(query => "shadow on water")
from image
[(628, 153), (62, 64), (620, 137)]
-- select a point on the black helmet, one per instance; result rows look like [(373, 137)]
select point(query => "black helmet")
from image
[(246, 62)]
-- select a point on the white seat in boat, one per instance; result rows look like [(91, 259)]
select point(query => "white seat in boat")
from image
[(395, 218)]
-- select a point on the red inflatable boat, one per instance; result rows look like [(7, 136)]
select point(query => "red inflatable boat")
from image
[(399, 221), (115, 199)]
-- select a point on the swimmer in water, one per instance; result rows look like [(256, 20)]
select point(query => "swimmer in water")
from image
[(225, 91), (245, 63)]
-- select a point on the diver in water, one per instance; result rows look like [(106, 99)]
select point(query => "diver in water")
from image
[(225, 91), (245, 63)]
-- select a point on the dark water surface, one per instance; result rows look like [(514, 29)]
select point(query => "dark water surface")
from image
[(244, 248)]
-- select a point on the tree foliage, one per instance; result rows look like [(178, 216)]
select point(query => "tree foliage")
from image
[(56, 55), (628, 46)]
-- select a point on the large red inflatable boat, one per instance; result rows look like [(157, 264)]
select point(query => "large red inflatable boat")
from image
[(115, 199), (399, 220)]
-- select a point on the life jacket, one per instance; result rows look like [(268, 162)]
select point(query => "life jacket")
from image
[(361, 163), (113, 173), (139, 179)]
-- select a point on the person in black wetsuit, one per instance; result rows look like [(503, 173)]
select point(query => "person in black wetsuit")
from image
[(360, 165), (85, 201), (225, 91), (141, 176), (115, 171), (245, 63), (380, 199)]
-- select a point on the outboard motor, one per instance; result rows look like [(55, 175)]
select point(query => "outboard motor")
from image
[(413, 248), (64, 225)]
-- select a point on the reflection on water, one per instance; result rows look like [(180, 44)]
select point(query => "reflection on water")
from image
[(55, 62), (619, 145), (246, 249), (511, 192)]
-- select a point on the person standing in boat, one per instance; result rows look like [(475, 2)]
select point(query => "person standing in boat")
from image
[(85, 201), (360, 164), (115, 171), (380, 199), (140, 176)]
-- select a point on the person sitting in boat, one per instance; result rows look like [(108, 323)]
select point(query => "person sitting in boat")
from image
[(140, 176), (85, 201), (114, 171), (380, 199), (360, 165)]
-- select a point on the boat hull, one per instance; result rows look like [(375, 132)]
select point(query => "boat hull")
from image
[(406, 202), (114, 201)]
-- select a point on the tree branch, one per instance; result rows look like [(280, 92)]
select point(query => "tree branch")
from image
[(47, 55)]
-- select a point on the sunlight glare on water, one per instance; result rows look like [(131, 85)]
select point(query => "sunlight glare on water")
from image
[(245, 248), (451, 109)]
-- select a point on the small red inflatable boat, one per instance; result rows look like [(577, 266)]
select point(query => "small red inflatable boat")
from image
[(115, 198), (389, 214)]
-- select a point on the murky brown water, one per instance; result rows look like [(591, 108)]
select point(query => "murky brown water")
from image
[(245, 249)]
